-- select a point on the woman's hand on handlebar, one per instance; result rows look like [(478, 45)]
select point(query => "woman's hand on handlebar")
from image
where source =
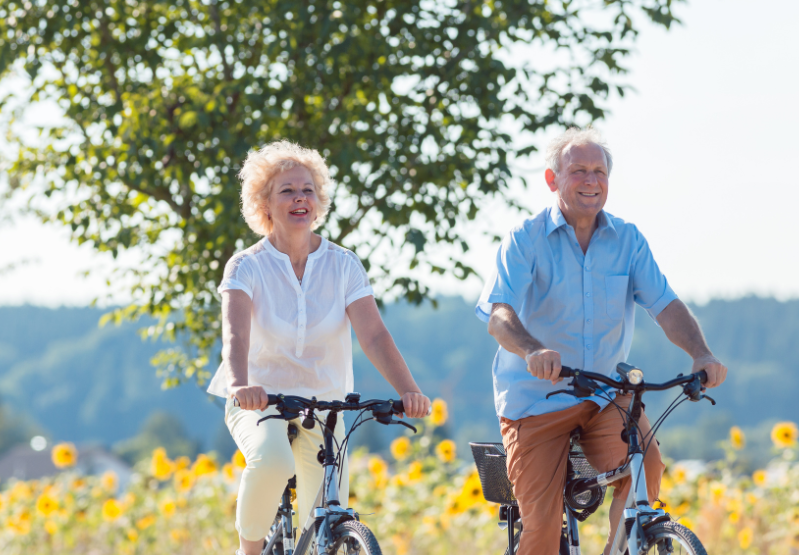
[(544, 364), (716, 371), (416, 404), (251, 397)]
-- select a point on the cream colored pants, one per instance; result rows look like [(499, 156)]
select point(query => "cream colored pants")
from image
[(271, 462)]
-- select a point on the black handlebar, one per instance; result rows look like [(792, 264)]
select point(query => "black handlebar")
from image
[(566, 372), (584, 384), (397, 407)]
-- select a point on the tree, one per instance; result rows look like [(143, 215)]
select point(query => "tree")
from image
[(411, 101)]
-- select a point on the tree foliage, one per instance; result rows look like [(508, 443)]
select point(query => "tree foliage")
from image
[(411, 101)]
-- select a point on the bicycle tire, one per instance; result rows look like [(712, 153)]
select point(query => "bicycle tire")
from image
[(562, 550), (661, 538), (352, 530)]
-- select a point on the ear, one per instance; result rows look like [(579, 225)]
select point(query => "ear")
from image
[(549, 175)]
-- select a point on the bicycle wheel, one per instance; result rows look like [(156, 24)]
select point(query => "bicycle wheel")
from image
[(671, 537), (563, 550), (354, 538)]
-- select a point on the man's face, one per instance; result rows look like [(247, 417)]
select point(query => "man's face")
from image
[(582, 183)]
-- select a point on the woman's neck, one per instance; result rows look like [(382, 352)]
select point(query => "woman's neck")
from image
[(297, 246)]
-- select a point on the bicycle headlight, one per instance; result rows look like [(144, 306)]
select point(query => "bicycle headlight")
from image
[(635, 376)]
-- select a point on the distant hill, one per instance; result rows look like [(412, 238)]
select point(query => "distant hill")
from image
[(88, 384)]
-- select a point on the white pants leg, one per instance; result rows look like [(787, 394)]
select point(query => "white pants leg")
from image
[(271, 462)]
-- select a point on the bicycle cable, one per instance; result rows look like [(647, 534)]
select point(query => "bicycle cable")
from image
[(658, 423)]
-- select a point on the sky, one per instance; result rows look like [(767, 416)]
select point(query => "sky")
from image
[(704, 164)]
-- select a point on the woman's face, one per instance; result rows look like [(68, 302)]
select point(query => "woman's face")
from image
[(293, 202)]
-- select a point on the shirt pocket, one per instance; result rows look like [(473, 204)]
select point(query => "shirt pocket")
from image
[(616, 296)]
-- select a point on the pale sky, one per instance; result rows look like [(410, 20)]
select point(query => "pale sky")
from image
[(702, 164)]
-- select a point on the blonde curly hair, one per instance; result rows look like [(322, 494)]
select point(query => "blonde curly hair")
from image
[(257, 180)]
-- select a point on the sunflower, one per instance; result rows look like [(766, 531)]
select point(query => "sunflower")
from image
[(109, 481), (132, 535), (759, 477), (238, 459), (784, 434), (20, 524), (168, 507), (438, 415), (182, 462), (400, 448), (228, 471), (737, 438), (179, 535), (51, 527), (204, 465), (145, 522), (112, 510), (679, 474), (184, 480), (446, 450), (379, 471), (415, 471), (160, 465), (20, 492), (745, 538), (472, 491), (64, 455), (46, 505)]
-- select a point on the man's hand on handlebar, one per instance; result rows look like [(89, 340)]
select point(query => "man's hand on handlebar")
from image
[(544, 364), (416, 404), (251, 397), (716, 371)]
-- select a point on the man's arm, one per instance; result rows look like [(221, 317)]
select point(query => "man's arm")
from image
[(683, 330), (504, 325)]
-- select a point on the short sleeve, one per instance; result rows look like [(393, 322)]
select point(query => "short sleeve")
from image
[(238, 275), (358, 285), (651, 289), (511, 276)]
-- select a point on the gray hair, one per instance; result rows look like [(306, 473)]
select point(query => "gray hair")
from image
[(575, 136)]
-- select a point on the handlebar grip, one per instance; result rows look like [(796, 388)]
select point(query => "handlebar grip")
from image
[(566, 372), (399, 408), (273, 399), (702, 376)]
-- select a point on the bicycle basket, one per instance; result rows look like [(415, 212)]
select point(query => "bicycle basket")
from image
[(586, 503), (490, 459)]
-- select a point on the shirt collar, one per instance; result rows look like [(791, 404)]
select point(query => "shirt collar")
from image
[(557, 220)]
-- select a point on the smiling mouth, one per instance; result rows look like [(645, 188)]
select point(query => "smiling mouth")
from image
[(590, 195), (299, 212)]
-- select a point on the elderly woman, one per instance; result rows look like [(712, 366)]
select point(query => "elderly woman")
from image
[(287, 306)]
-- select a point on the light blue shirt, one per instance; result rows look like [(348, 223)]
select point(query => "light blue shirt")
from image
[(581, 305)]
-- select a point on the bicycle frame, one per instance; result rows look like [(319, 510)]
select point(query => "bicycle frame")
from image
[(316, 532), (637, 512)]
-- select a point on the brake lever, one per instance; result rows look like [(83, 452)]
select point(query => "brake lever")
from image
[(403, 423), (271, 417), (709, 398)]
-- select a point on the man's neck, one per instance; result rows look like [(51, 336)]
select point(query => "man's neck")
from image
[(583, 226)]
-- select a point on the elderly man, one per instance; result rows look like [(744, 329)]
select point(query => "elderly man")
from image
[(564, 292)]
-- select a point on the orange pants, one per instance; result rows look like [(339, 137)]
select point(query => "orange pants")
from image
[(538, 448)]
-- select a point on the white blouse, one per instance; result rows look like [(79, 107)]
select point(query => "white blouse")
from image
[(300, 335)]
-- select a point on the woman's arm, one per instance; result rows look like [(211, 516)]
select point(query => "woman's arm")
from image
[(379, 347), (236, 310)]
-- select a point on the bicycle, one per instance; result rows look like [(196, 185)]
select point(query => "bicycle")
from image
[(329, 528), (642, 529)]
